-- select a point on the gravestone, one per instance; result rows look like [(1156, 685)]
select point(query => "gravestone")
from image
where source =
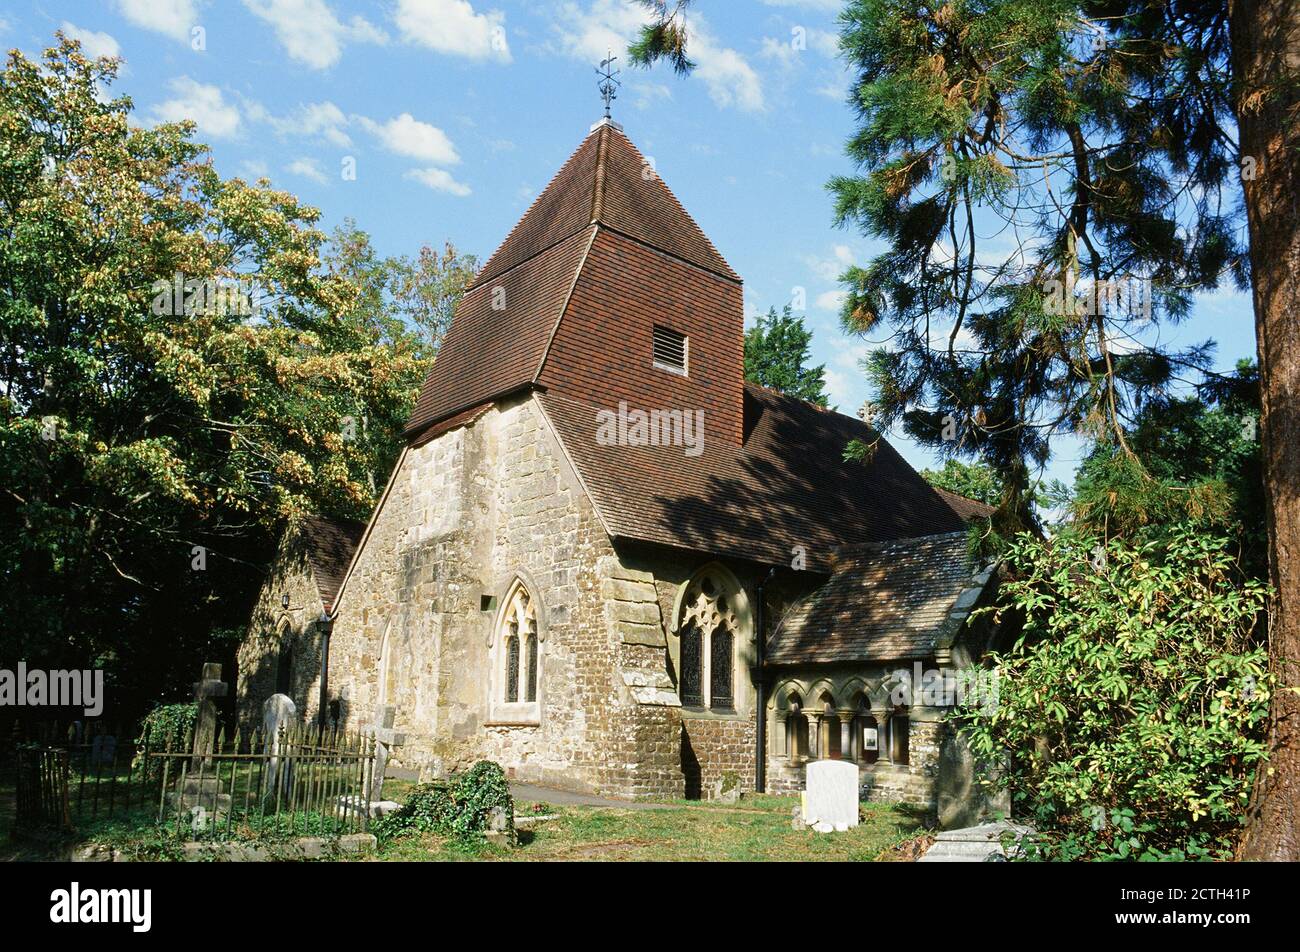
[(278, 714), (831, 797), (199, 791), (103, 749), (206, 691), (385, 737)]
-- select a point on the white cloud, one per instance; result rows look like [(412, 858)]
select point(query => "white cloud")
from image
[(174, 18), (310, 32), (824, 42), (843, 389), (452, 27), (318, 119), (307, 168), (830, 6), (831, 267), (202, 103), (408, 136), (830, 300), (93, 45), (254, 169), (439, 180), (780, 50), (837, 91), (586, 35), (647, 94)]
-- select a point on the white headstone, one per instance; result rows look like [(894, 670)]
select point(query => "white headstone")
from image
[(278, 713), (831, 799)]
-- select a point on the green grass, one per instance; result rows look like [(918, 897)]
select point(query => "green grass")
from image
[(755, 830)]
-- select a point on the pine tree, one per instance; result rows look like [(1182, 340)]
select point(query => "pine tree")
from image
[(776, 354)]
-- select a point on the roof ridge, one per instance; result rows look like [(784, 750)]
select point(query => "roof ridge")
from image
[(481, 276), (680, 207), (569, 236), (598, 186)]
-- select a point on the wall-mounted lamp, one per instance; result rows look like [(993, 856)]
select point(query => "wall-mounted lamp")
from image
[(284, 600)]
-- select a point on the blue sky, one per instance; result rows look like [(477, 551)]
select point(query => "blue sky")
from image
[(454, 114)]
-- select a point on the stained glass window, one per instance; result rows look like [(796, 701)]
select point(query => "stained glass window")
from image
[(518, 640), (692, 690), (709, 629), (530, 681), (720, 689), (512, 668)]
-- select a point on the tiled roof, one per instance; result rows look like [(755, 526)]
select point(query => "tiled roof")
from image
[(490, 351), (330, 544), (787, 486), (499, 334), (964, 506), (890, 601)]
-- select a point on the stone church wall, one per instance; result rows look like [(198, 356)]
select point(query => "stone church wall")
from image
[(465, 515), (274, 628)]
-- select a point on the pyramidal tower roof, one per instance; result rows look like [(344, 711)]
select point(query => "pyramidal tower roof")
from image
[(607, 182), (498, 337)]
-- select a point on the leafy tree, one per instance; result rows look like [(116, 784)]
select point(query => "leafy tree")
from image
[(1124, 111), (776, 354), (1131, 713), (972, 480), (186, 363), (1200, 463)]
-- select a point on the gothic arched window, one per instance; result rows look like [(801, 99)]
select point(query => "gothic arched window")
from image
[(708, 632), (517, 657)]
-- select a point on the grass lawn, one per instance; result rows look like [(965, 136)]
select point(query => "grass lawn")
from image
[(756, 830)]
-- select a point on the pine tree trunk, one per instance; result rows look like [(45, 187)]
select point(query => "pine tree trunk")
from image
[(1266, 67)]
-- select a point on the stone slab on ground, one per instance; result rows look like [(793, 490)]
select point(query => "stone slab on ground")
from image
[(975, 844), (305, 847)]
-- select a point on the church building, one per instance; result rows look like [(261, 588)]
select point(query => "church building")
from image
[(607, 562)]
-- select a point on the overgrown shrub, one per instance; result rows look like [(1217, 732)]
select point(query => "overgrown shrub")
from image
[(166, 727), (459, 806), (1132, 710)]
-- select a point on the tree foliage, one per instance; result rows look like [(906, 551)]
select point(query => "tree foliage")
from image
[(1019, 159), (777, 351), (186, 363), (1132, 710), (972, 480)]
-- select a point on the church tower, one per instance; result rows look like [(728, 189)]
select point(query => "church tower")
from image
[(606, 291)]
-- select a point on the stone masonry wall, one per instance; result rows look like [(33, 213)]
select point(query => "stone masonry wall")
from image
[(258, 657)]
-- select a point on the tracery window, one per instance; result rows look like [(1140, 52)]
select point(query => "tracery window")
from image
[(708, 631), (519, 649)]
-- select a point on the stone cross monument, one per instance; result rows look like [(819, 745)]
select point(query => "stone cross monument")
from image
[(208, 688), (385, 737)]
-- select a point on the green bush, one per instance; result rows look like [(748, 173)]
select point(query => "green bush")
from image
[(459, 806), (166, 727), (1131, 712)]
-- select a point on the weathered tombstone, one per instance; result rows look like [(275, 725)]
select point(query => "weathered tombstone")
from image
[(831, 798), (103, 749), (385, 737), (199, 786), (278, 713), (206, 691)]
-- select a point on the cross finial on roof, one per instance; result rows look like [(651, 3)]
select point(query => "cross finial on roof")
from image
[(608, 85)]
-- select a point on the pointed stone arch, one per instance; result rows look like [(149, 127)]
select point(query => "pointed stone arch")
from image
[(712, 624), (516, 654)]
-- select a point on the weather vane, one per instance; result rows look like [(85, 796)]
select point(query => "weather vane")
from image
[(608, 85)]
